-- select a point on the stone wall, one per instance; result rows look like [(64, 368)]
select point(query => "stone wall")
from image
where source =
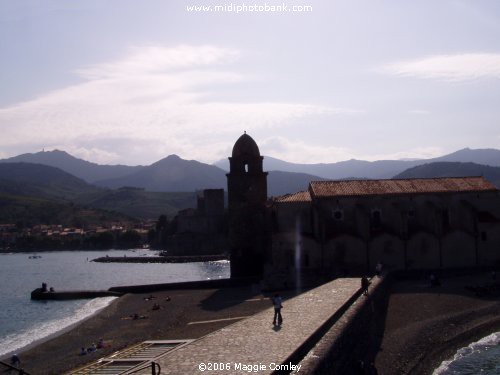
[(354, 337)]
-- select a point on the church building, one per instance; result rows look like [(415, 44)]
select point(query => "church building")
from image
[(348, 226)]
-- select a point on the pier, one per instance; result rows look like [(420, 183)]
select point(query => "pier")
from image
[(317, 324), (39, 294), (162, 259), (117, 291)]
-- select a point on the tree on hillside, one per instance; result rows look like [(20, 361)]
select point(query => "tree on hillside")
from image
[(131, 239), (158, 237)]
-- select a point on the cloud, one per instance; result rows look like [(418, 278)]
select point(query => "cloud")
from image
[(452, 68), (153, 102), (155, 59), (414, 153), (301, 152), (419, 112)]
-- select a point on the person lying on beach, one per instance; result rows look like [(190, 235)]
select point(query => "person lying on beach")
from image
[(150, 298), (135, 317), (101, 344), (156, 307)]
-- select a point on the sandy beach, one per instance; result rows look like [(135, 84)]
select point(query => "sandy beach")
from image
[(114, 325), (425, 326)]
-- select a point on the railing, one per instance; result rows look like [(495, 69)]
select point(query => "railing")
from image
[(155, 368), (10, 368)]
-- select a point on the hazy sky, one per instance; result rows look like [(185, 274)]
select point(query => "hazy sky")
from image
[(132, 81)]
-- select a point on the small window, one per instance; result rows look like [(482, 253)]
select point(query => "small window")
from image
[(388, 247), (376, 219), (338, 214), (306, 260), (446, 219), (246, 168)]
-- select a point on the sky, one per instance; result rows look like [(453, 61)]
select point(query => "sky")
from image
[(131, 81)]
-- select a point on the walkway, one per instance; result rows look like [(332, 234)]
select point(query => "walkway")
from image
[(255, 342)]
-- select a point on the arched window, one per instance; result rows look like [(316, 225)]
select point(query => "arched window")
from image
[(376, 218)]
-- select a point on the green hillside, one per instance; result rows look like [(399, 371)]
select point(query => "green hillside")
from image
[(41, 181), (39, 191), (139, 203), (29, 211)]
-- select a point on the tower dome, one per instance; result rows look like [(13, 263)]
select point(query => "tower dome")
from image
[(245, 146)]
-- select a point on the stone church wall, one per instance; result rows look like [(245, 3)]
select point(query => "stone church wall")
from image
[(345, 252), (458, 250), (387, 249), (422, 251), (489, 244)]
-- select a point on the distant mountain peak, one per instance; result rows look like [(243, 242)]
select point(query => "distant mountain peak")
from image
[(173, 157), (57, 151)]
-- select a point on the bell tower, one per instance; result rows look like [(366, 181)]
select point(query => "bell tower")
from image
[(247, 193)]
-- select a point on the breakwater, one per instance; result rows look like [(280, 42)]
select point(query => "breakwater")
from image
[(162, 259), (117, 291), (39, 294)]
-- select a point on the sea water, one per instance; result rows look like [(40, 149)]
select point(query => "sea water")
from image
[(23, 321), (481, 357)]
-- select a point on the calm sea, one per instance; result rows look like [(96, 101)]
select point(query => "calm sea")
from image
[(23, 321)]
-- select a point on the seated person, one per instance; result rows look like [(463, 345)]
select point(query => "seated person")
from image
[(100, 344), (14, 360)]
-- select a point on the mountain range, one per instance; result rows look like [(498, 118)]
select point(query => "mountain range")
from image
[(83, 169), (374, 169), (171, 183), (176, 174), (34, 190), (171, 174), (453, 169)]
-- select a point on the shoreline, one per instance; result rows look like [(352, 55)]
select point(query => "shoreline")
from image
[(59, 332), (447, 353), (59, 354), (425, 326)]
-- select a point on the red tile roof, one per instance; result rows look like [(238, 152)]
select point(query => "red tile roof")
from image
[(301, 196), (323, 189)]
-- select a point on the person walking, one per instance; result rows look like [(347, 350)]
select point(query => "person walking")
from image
[(277, 302), (364, 285), (378, 269)]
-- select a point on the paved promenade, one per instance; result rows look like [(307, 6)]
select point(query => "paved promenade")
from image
[(254, 343)]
